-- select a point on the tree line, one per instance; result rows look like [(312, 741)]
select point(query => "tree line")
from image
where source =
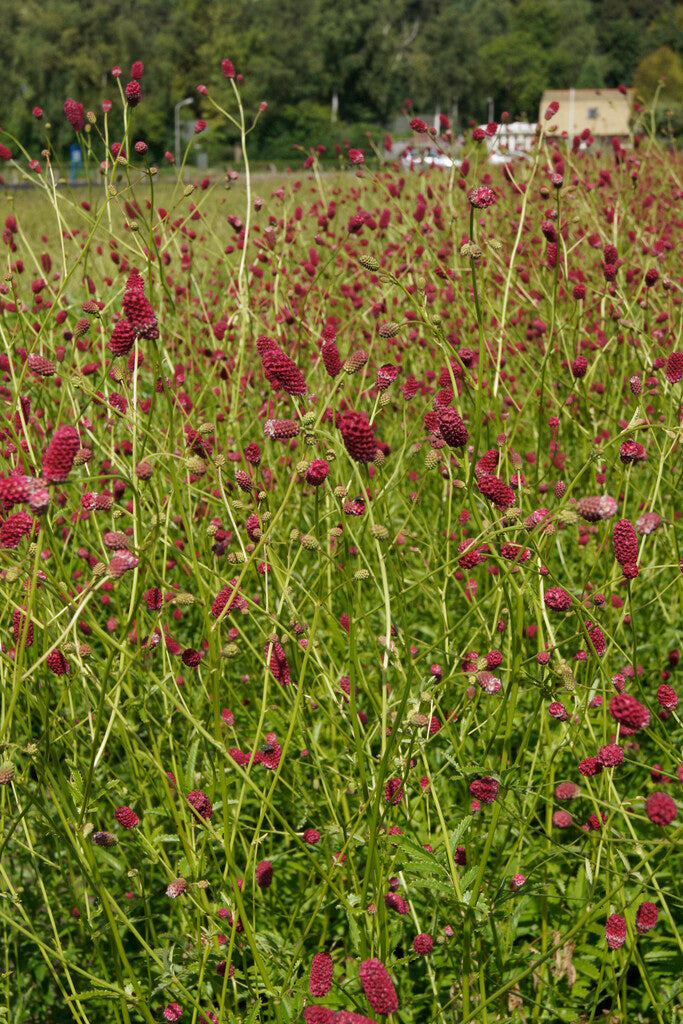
[(460, 56)]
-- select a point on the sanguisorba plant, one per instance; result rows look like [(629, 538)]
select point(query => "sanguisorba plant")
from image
[(341, 583)]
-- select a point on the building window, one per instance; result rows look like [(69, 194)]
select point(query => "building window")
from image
[(592, 113)]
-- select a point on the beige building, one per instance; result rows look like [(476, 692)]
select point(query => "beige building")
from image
[(602, 111)]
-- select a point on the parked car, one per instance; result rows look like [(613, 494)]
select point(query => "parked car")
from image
[(418, 158)]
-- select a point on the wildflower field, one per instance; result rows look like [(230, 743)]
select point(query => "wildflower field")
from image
[(340, 562)]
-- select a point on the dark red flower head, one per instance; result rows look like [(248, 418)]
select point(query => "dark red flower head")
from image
[(357, 435), (485, 789), (661, 808), (629, 713), (624, 542), (60, 454), (615, 931), (453, 430), (133, 93), (481, 197), (646, 917), (264, 874), (199, 801), (74, 114), (378, 986), (126, 817), (321, 974), (497, 491)]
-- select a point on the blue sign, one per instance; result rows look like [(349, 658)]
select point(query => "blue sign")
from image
[(76, 159)]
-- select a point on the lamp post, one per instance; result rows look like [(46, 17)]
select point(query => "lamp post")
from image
[(176, 118)]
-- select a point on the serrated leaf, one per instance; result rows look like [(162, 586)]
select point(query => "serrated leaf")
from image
[(457, 833), (585, 967)]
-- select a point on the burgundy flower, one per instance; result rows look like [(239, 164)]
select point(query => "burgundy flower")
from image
[(632, 451), (321, 974), (122, 337), (562, 819), (280, 430), (317, 471), (629, 713), (396, 902), (252, 453), (23, 631), (200, 803), (122, 562), (423, 943), (579, 367), (173, 1011), (558, 711), (597, 638), (16, 526), (74, 114), (282, 372), (648, 522), (133, 93), (228, 597), (104, 839), (557, 598), (646, 917), (60, 454), (278, 663), (674, 367), (138, 311), (610, 754), (661, 808), (126, 817), (386, 375), (378, 986), (312, 836), (485, 789), (497, 491), (593, 509), (331, 360), (191, 657), (667, 697), (357, 435), (624, 542), (57, 663), (615, 931), (316, 1014), (481, 197), (264, 876), (176, 888), (567, 790), (590, 766), (393, 791), (453, 430)]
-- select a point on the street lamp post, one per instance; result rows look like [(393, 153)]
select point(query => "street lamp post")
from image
[(176, 113)]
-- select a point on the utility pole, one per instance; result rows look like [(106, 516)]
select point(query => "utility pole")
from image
[(176, 119)]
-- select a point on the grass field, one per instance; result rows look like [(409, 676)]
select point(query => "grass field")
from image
[(341, 577)]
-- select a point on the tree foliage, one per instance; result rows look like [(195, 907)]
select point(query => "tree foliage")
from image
[(373, 54)]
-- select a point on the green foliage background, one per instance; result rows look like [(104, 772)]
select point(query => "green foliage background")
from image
[(295, 54)]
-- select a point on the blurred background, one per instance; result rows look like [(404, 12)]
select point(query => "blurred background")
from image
[(330, 70)]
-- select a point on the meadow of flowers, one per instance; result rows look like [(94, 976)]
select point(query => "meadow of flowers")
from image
[(341, 582)]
